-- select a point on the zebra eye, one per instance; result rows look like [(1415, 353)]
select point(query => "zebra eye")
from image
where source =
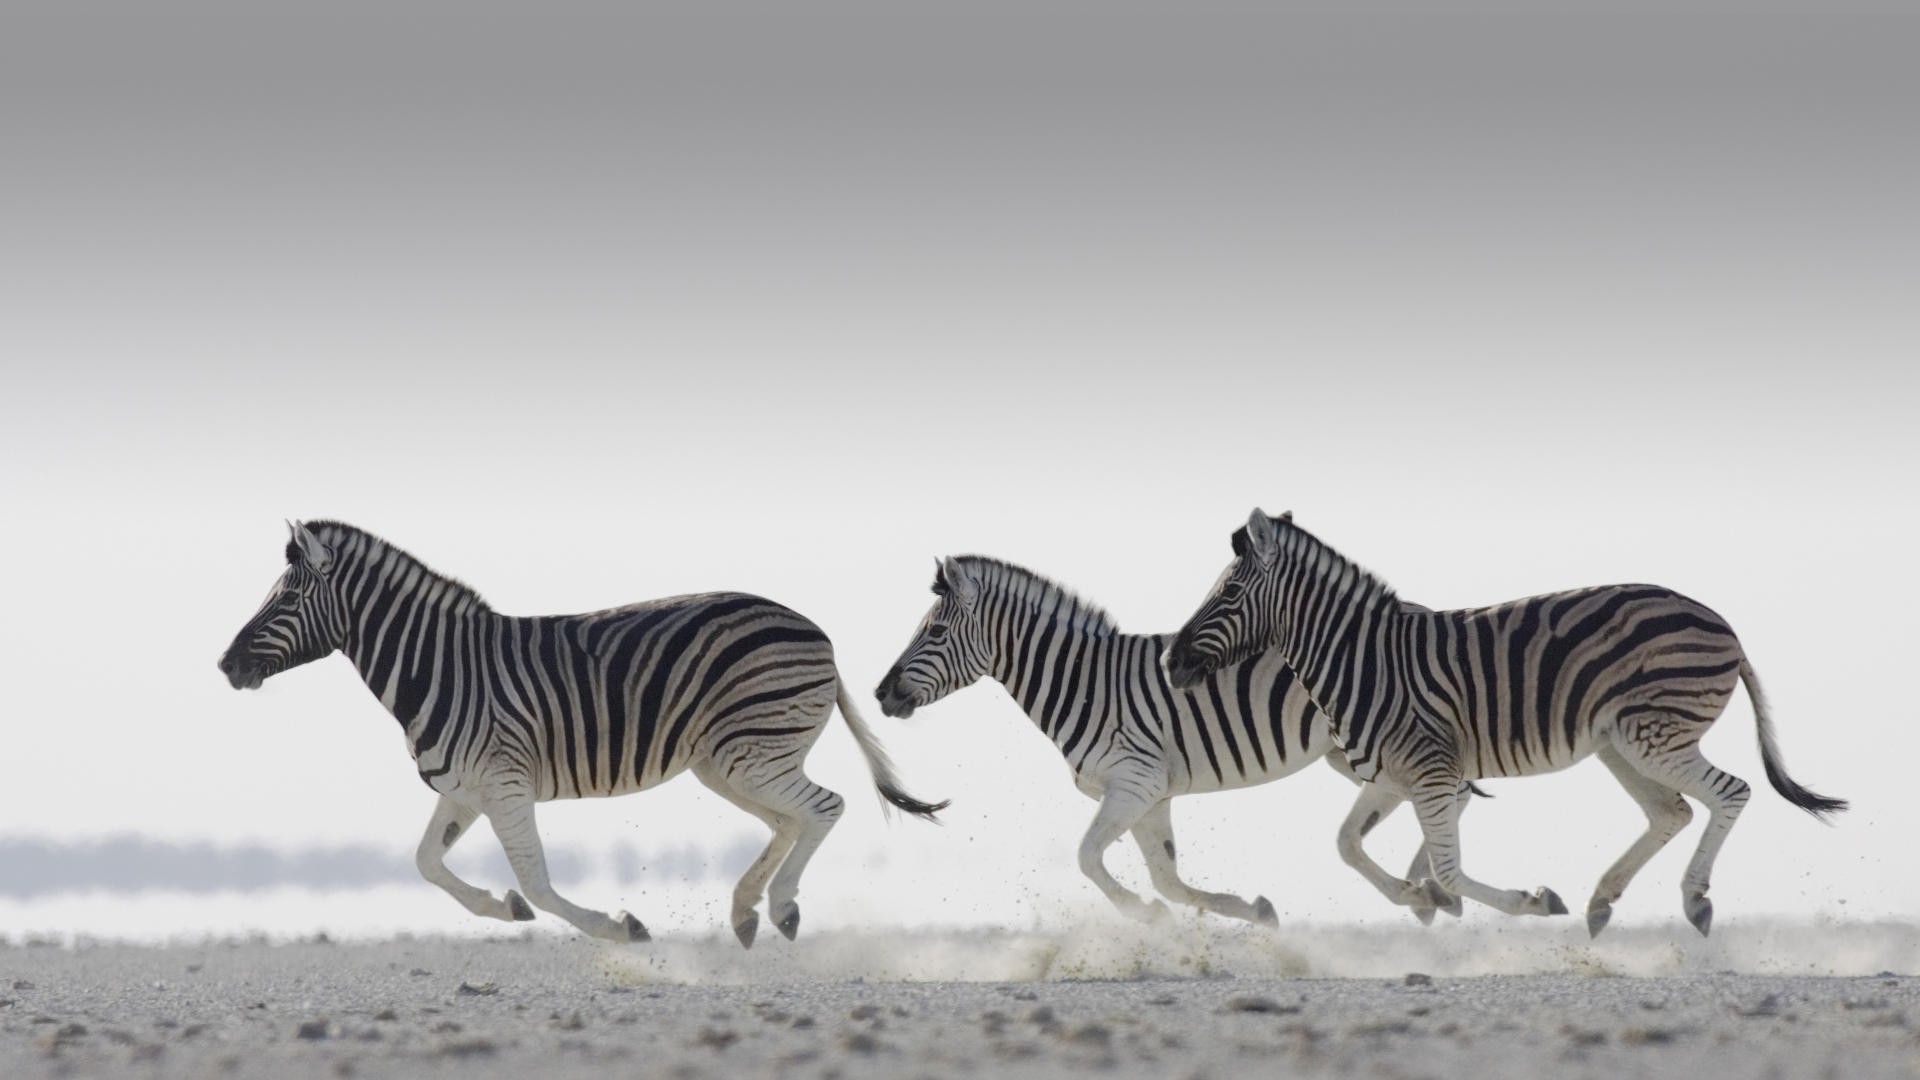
[(1230, 591), (937, 632)]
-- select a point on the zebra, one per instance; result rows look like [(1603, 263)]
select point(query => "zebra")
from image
[(1131, 740), (1633, 674), (502, 712)]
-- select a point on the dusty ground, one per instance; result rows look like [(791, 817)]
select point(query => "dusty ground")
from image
[(552, 1006)]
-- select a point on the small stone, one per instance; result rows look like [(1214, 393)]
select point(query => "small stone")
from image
[(22, 984), (569, 1022), (314, 1029), (1419, 978), (386, 1016), (716, 1038), (1090, 1034), (485, 989), (863, 1012), (860, 1043), (418, 972), (1040, 1014), (465, 1048)]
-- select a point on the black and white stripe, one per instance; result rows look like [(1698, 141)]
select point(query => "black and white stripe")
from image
[(1421, 701), (502, 712), (1132, 741)]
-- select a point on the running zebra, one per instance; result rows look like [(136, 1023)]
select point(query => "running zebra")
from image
[(1132, 741), (1634, 674), (502, 712)]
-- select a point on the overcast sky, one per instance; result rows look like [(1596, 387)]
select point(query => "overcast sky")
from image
[(618, 302)]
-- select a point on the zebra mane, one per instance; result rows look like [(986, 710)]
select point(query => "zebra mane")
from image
[(1325, 563), (353, 542), (1039, 594)]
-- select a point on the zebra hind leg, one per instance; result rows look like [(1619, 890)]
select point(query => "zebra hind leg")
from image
[(1154, 833), (448, 824), (1681, 766), (1667, 813), (513, 822), (753, 884)]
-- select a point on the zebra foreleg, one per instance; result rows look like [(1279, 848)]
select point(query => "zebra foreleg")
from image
[(448, 824), (1372, 807), (1667, 813), (1421, 870), (513, 822), (1439, 810), (1154, 833), (1121, 807)]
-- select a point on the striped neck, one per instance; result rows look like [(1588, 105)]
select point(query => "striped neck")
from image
[(1046, 641), (404, 619), (1337, 630)]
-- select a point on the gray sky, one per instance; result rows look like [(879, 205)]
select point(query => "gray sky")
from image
[(613, 303)]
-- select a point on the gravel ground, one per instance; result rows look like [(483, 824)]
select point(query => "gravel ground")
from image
[(552, 1006)]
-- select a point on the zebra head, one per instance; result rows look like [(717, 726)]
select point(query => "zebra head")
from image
[(302, 619), (948, 652), (1240, 616)]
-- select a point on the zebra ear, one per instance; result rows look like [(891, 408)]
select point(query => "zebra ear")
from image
[(1263, 539), (308, 549), (958, 580)]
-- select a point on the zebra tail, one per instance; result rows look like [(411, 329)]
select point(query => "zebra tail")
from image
[(882, 766), (1818, 805)]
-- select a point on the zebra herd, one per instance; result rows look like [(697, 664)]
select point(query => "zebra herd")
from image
[(1296, 654)]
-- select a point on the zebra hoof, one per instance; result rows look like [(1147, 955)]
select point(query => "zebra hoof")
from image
[(635, 931), (1454, 906), (1598, 913), (789, 924), (1264, 914), (1425, 915), (1700, 913), (1436, 896), (1550, 900), (746, 928), (518, 908)]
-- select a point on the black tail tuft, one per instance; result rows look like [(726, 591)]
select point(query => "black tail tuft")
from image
[(1818, 805), (922, 810)]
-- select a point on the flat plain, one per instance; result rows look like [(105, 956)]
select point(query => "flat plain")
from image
[(1490, 1000)]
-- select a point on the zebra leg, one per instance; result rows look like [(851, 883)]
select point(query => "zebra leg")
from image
[(513, 822), (813, 811), (753, 884), (1421, 869), (1154, 833), (1121, 807), (1372, 806), (448, 824), (1439, 808), (1667, 813), (1650, 749)]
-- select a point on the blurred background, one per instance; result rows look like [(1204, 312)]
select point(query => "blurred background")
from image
[(601, 302)]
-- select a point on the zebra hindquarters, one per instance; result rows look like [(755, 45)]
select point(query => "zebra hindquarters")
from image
[(757, 762)]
